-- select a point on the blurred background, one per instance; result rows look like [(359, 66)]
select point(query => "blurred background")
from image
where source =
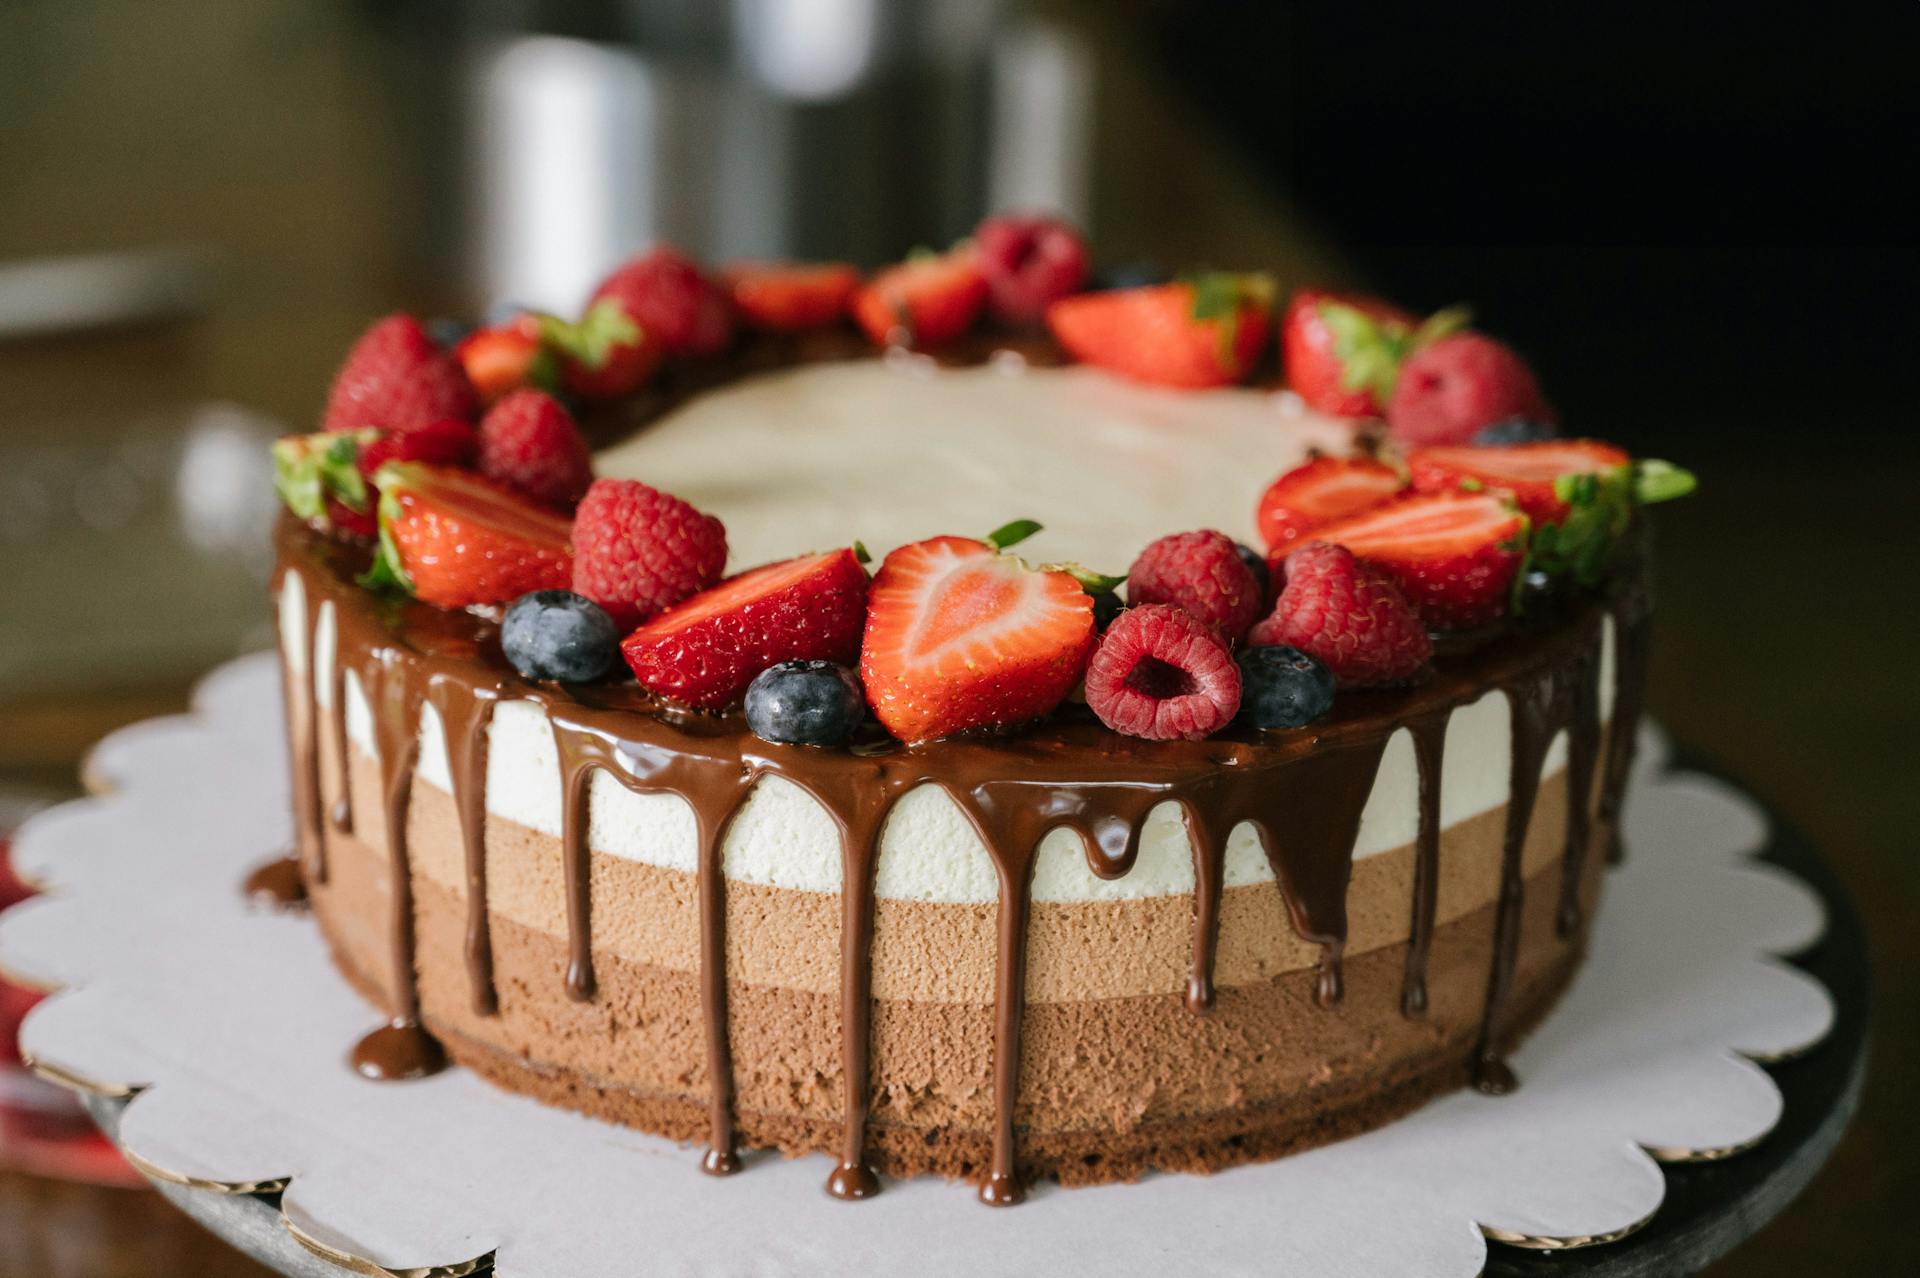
[(1686, 216)]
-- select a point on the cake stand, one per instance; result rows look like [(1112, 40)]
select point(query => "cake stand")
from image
[(1691, 1082)]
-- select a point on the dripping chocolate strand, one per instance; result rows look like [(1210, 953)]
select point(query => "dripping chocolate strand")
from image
[(578, 762), (1429, 752), (1003, 1186), (1583, 748), (722, 1157), (1209, 883), (466, 713)]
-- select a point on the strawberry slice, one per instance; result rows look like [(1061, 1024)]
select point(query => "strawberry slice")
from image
[(451, 538), (704, 651), (783, 297), (924, 302), (502, 360), (960, 636), (1342, 351), (1320, 491), (1205, 331), (1453, 555), (1525, 472)]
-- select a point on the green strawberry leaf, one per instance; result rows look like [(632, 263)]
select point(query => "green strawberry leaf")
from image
[(1094, 583), (1372, 350), (1600, 505), (1657, 481), (592, 341), (296, 477), (1011, 534), (386, 572), (861, 554), (1222, 295), (308, 469)]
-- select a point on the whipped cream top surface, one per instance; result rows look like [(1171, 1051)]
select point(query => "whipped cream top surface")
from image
[(889, 451)]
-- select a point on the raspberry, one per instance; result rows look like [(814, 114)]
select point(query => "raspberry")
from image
[(1203, 573), (638, 551), (1348, 616), (672, 301), (396, 377), (1161, 673), (529, 442), (1029, 262), (1449, 391)]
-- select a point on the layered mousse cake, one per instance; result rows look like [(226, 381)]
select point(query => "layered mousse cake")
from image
[(958, 720)]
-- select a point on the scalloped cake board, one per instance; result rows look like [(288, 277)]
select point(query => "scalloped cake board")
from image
[(233, 1027)]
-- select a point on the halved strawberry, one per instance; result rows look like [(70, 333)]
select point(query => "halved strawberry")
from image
[(790, 297), (1205, 331), (1453, 555), (502, 360), (1342, 351), (1524, 472), (960, 636), (1319, 491), (704, 651), (451, 538), (924, 302)]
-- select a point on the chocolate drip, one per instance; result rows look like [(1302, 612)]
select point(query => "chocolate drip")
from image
[(397, 1051), (1429, 751), (278, 884), (1631, 636), (466, 714), (1583, 748), (1209, 883)]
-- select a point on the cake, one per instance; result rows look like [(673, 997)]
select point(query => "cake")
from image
[(1155, 923)]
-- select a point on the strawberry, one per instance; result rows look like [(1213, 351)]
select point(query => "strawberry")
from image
[(606, 355), (1205, 331), (397, 377), (327, 478), (1331, 346), (676, 306), (1525, 472), (1321, 490), (1449, 391), (452, 538), (960, 636), (1453, 555), (501, 360), (1348, 616), (704, 651), (926, 301), (782, 297), (1030, 262)]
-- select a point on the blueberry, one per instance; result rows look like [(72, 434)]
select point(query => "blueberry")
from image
[(1282, 687), (1515, 430), (805, 703), (1257, 564), (504, 312), (556, 634), (1106, 606), (447, 333)]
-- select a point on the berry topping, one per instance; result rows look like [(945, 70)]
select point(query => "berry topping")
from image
[(1162, 674), (1207, 330), (1203, 573), (499, 361), (670, 299), (1339, 350), (1106, 606), (397, 377), (1515, 430), (924, 302), (327, 478), (1527, 473), (556, 634), (1282, 687), (638, 551), (1320, 491), (529, 442), (1450, 390), (607, 355), (783, 297), (1348, 616), (960, 636), (1030, 262), (1453, 555), (1257, 565), (817, 703), (705, 651), (452, 538)]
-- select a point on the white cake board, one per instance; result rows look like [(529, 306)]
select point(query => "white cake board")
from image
[(232, 1027)]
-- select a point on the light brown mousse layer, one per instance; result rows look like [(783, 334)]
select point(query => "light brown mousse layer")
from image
[(1117, 1075)]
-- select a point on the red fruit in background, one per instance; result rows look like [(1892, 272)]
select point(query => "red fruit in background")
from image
[(675, 304), (1524, 472), (1319, 491), (1347, 615), (959, 637), (704, 651), (1163, 674), (1453, 555), (785, 297), (1200, 333), (924, 302), (397, 377), (1030, 261), (1451, 389), (453, 539), (606, 355), (639, 551), (1202, 573), (531, 444), (1338, 349), (499, 361)]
